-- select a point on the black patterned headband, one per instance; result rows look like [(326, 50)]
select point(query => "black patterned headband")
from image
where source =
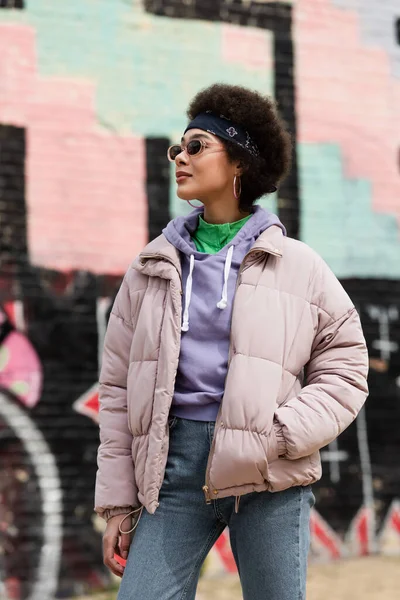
[(224, 128)]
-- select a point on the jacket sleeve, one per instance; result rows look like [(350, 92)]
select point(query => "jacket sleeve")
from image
[(336, 375), (116, 491)]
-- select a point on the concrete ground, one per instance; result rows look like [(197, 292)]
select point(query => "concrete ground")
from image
[(372, 578)]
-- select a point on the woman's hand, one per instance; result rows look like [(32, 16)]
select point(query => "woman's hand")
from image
[(116, 542)]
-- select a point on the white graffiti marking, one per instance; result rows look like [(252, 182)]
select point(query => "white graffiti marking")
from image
[(46, 470), (103, 304), (384, 316), (334, 456)]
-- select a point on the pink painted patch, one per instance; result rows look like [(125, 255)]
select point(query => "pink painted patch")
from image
[(17, 72), (346, 94), (85, 193), (20, 368), (247, 46)]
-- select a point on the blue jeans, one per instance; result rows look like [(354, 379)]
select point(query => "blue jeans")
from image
[(269, 535)]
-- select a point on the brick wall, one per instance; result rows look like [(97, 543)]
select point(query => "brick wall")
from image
[(91, 95)]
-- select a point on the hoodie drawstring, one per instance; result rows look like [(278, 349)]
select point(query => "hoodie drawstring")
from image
[(188, 295), (223, 303)]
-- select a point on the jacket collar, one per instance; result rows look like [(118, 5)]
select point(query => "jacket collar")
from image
[(270, 241), (160, 248)]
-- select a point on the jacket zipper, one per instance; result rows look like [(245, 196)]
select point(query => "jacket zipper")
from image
[(207, 488), (206, 494)]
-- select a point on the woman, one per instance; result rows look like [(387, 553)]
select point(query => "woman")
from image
[(232, 356)]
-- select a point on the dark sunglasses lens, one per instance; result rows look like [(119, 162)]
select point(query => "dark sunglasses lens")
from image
[(193, 147), (174, 151)]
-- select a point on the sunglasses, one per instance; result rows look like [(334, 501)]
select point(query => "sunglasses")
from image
[(192, 148)]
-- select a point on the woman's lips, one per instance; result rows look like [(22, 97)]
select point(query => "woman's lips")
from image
[(182, 177)]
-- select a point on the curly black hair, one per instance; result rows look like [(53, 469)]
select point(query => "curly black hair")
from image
[(257, 114)]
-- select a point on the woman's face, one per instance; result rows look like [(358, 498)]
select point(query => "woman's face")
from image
[(206, 175)]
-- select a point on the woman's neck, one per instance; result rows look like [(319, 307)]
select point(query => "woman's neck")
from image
[(221, 213)]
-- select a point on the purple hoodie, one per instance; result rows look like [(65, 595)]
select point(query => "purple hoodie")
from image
[(209, 282)]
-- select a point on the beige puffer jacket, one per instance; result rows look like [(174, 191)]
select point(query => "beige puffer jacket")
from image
[(292, 323)]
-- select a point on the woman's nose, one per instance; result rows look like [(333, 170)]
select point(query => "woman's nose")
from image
[(182, 158)]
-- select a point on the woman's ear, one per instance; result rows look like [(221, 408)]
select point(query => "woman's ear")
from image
[(239, 169)]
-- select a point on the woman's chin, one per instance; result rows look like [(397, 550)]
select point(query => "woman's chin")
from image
[(184, 195)]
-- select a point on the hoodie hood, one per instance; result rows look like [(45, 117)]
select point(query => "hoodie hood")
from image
[(179, 231)]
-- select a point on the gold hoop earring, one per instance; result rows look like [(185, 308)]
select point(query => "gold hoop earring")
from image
[(235, 192)]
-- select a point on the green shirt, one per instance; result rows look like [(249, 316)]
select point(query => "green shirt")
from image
[(211, 238)]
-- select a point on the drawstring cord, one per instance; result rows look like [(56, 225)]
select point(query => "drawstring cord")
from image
[(140, 510), (188, 296), (223, 303), (237, 501)]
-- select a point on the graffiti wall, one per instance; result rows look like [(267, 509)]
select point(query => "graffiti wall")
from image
[(91, 95)]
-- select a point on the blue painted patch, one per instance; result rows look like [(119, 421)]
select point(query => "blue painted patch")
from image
[(338, 221)]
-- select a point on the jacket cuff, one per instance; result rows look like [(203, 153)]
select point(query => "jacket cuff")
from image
[(108, 513), (280, 438)]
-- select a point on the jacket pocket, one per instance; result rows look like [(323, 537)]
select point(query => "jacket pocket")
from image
[(140, 447), (270, 445)]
